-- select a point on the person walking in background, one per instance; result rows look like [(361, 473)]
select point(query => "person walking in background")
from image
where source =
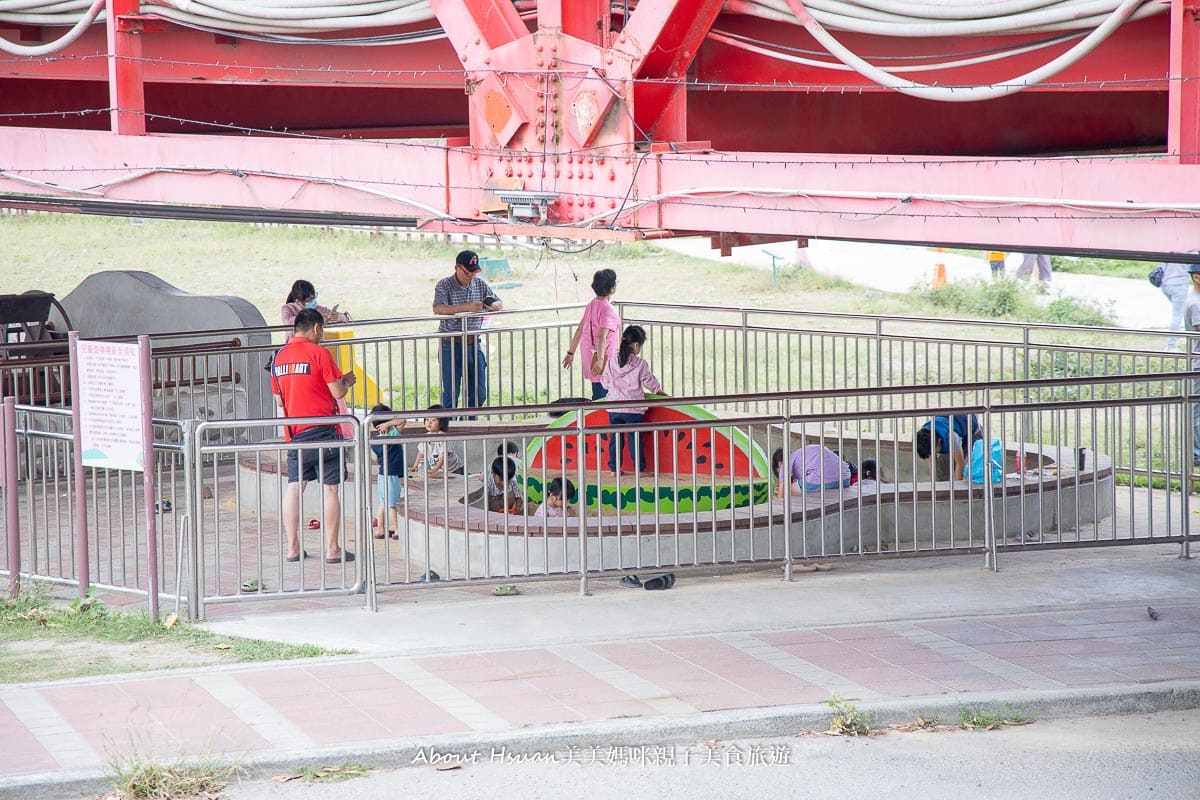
[(628, 377), (1191, 315), (1176, 283), (596, 333), (464, 292), (996, 262), (1044, 269), (304, 295), (307, 383)]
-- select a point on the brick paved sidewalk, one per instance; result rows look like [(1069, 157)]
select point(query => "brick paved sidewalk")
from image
[(289, 707)]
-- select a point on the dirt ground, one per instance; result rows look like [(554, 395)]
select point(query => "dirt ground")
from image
[(51, 659)]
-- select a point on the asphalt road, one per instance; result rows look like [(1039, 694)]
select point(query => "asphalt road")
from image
[(1095, 758)]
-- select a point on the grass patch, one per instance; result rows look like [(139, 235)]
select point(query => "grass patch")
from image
[(137, 778), (1108, 267), (847, 720), (44, 623), (342, 772), (1009, 300), (989, 718)]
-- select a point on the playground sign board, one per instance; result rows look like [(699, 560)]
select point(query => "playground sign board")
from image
[(111, 404)]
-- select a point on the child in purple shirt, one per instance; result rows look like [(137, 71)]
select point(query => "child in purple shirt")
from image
[(814, 467)]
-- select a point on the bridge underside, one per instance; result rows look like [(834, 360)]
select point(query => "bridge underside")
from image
[(684, 116)]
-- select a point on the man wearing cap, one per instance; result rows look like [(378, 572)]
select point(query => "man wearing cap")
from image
[(464, 292), (1191, 317)]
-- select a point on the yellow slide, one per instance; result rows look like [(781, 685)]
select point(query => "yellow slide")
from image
[(365, 391)]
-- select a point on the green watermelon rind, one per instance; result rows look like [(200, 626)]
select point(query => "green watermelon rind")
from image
[(741, 440), (688, 499)]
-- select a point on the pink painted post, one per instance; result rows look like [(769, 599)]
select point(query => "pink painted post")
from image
[(1183, 93), (8, 479), (148, 487), (81, 526), (126, 90)]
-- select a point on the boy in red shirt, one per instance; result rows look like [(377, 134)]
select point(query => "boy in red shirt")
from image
[(307, 383)]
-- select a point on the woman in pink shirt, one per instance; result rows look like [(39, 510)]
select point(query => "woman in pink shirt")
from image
[(304, 295), (628, 377), (597, 332)]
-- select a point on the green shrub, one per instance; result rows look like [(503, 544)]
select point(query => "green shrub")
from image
[(1077, 311), (1009, 299)]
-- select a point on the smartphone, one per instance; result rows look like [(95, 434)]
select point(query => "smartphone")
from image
[(489, 300)]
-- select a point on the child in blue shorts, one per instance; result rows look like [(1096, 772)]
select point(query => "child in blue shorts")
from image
[(392, 465)]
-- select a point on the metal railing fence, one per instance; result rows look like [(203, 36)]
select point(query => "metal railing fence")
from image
[(695, 350)]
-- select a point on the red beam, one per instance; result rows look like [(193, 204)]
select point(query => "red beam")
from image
[(1051, 204), (478, 26), (126, 93), (1183, 116)]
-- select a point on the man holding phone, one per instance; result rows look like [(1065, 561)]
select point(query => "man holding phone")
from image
[(464, 293)]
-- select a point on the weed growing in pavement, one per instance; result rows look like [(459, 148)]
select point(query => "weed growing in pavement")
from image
[(847, 719), (342, 772), (989, 718), (140, 778)]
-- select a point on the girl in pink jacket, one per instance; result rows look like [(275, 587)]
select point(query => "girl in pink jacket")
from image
[(628, 377)]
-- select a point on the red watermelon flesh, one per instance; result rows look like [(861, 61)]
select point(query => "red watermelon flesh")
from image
[(703, 451)]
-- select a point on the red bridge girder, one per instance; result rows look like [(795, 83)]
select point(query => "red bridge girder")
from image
[(566, 101)]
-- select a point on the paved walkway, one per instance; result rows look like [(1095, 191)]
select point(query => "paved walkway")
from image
[(458, 665), (1135, 303)]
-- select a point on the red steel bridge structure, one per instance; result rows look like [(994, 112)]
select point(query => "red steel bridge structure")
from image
[(1068, 126)]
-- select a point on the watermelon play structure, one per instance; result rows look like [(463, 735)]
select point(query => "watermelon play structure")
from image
[(688, 468)]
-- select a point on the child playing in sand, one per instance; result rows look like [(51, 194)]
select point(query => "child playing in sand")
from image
[(434, 457), (556, 505), (503, 492)]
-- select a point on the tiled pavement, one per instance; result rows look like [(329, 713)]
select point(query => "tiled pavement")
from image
[(288, 707)]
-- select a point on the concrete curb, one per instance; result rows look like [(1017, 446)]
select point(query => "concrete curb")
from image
[(725, 725)]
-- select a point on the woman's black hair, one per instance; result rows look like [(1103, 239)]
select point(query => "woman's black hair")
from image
[(302, 291), (870, 470), (604, 282), (443, 422), (507, 448), (632, 335), (776, 463)]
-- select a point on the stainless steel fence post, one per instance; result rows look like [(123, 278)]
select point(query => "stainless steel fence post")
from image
[(989, 522), (1188, 448), (745, 357), (8, 473), (785, 469), (186, 551), (362, 517), (581, 477)]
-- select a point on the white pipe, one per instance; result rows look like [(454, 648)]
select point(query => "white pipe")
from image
[(971, 93), (66, 40), (812, 62)]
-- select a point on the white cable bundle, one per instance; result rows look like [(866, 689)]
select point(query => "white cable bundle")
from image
[(893, 18)]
